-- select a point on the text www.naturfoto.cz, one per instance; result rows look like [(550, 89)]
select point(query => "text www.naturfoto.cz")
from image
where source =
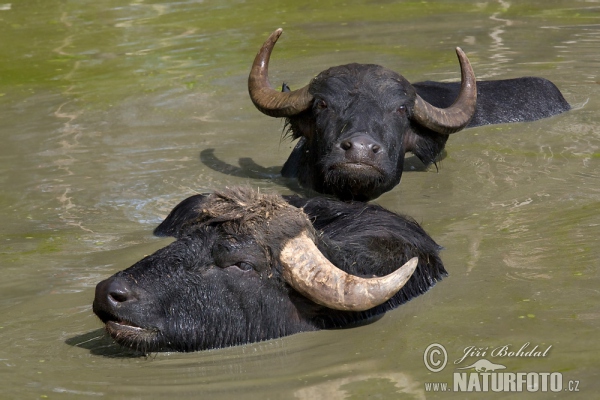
[(436, 387)]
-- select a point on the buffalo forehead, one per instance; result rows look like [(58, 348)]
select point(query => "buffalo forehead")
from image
[(364, 79)]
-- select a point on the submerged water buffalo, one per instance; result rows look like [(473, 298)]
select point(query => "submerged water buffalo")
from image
[(355, 122), (247, 267)]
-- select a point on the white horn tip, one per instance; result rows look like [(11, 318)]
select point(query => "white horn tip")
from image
[(405, 272), (411, 264)]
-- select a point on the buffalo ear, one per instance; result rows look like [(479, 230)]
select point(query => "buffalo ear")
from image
[(426, 144), (301, 125), (181, 217)]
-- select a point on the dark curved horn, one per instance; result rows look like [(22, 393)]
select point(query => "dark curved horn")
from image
[(310, 273), (457, 116), (268, 100)]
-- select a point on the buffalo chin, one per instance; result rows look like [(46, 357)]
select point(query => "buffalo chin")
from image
[(356, 181), (129, 335)]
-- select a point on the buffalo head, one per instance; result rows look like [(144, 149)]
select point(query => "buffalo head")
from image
[(248, 267), (356, 122)]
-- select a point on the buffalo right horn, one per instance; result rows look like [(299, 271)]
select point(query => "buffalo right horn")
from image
[(268, 100), (457, 116), (307, 270)]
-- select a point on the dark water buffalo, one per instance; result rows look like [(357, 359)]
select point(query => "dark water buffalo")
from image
[(247, 267), (355, 122)]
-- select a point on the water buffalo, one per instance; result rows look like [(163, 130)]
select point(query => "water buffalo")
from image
[(355, 122), (247, 267)]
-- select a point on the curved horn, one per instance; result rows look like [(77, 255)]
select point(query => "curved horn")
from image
[(268, 100), (309, 272), (457, 116)]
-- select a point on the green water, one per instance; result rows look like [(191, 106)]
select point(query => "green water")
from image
[(106, 107)]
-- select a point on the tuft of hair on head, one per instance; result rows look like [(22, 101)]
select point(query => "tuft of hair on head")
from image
[(243, 210)]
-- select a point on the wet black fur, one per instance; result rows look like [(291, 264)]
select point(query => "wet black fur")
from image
[(219, 283), (359, 98)]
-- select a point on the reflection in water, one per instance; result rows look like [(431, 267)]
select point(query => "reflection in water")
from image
[(382, 384), (68, 138), (247, 167), (498, 49), (69, 145), (99, 343)]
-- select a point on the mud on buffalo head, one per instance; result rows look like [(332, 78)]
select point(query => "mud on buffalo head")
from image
[(356, 122), (247, 267)]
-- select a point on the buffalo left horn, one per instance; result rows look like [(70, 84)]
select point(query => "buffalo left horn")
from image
[(457, 116), (310, 273), (268, 100)]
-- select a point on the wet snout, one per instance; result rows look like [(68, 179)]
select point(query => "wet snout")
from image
[(112, 295), (361, 148)]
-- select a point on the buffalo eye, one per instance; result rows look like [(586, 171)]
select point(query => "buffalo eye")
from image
[(244, 266), (401, 110), (321, 104)]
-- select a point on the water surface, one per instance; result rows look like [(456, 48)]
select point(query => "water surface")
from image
[(109, 113)]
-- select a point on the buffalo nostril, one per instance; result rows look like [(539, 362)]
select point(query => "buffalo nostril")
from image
[(119, 292), (119, 297), (361, 144), (346, 145)]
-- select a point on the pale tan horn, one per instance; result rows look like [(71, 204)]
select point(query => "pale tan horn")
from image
[(310, 273), (457, 116), (268, 100)]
